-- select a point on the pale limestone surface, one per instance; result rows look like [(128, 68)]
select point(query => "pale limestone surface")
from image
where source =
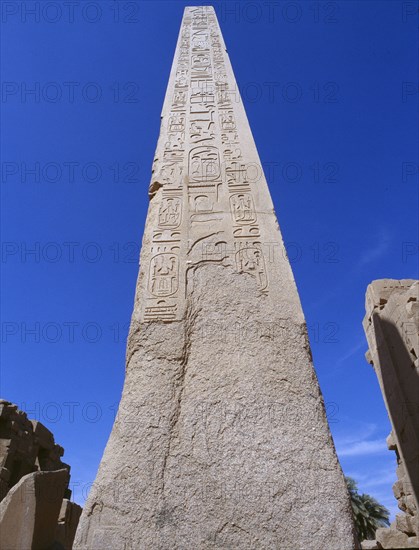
[(221, 439)]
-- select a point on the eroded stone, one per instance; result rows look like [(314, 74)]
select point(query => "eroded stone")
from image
[(221, 438), (29, 512), (391, 325)]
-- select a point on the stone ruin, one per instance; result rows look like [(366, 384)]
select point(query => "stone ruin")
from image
[(35, 507), (392, 328)]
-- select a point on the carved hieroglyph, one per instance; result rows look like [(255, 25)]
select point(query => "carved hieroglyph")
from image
[(221, 438)]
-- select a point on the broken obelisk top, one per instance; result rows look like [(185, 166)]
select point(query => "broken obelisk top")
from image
[(221, 438)]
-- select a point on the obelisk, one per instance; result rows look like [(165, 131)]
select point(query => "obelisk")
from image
[(221, 438)]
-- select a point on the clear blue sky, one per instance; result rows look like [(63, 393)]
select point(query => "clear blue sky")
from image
[(330, 89)]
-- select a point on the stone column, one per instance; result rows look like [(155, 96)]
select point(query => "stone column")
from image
[(391, 325), (221, 439)]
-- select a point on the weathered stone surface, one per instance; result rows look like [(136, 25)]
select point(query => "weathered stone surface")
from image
[(221, 439), (398, 490), (392, 328), (410, 507), (413, 542), (27, 446), (391, 443), (68, 520), (369, 545), (391, 538), (391, 324), (29, 512), (406, 524)]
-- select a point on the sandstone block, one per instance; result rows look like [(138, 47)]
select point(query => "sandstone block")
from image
[(68, 520), (391, 538), (29, 512), (406, 524), (413, 542), (369, 545)]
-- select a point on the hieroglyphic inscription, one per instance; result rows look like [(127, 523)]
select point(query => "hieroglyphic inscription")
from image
[(164, 274), (249, 259), (204, 166), (170, 212), (249, 256), (243, 208), (206, 191), (164, 277)]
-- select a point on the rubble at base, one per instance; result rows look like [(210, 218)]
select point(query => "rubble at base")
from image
[(35, 507)]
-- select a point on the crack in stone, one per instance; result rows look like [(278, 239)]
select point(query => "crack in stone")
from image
[(188, 326)]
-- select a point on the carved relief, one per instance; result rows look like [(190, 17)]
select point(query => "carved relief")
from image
[(203, 94), (249, 259), (229, 138), (204, 165), (227, 120), (166, 235), (170, 212), (199, 72), (164, 274), (246, 232), (175, 141), (232, 153), (164, 247), (162, 310), (170, 174), (220, 78), (200, 147), (181, 82), (183, 58), (243, 208), (215, 251), (179, 100), (174, 155), (200, 21), (236, 174), (223, 99), (200, 41), (177, 122), (202, 89), (202, 203), (201, 129), (202, 207), (201, 60)]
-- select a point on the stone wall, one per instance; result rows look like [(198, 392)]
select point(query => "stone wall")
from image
[(35, 508), (391, 325)]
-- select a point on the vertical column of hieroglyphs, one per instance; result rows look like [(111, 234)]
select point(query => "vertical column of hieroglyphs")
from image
[(238, 174), (207, 212), (165, 286), (223, 220), (206, 231)]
